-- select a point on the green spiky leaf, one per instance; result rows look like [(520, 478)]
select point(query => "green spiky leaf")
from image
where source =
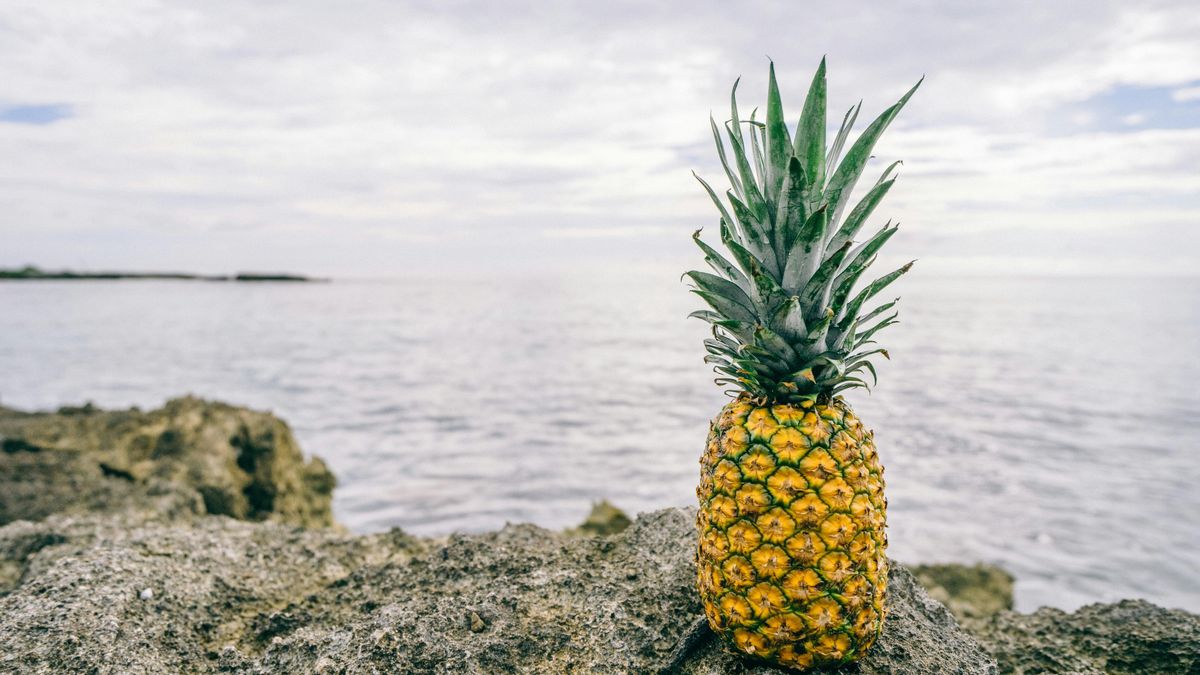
[(851, 310), (778, 141), (835, 150), (859, 214), (805, 254), (720, 263), (810, 131), (793, 206), (815, 295), (788, 320), (784, 325), (842, 182)]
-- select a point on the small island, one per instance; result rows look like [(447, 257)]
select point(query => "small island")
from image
[(31, 273)]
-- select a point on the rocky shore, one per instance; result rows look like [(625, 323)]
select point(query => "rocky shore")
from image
[(30, 273), (198, 538)]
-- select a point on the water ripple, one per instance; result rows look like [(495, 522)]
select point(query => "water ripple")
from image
[(1046, 425)]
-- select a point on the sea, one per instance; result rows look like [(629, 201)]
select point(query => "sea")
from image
[(1049, 425)]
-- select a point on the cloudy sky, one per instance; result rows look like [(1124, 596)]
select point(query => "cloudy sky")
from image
[(383, 138)]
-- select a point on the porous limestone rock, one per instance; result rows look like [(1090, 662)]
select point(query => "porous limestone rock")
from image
[(232, 596), (132, 546), (1130, 637), (227, 460)]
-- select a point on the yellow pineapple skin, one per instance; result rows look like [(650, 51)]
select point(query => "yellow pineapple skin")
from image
[(791, 562)]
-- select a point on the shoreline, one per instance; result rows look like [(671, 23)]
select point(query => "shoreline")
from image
[(35, 274), (198, 536)]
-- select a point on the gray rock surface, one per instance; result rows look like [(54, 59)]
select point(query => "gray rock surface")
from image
[(210, 457), (1131, 636), (230, 596), (113, 562)]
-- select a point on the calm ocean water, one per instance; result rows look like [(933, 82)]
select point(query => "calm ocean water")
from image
[(1048, 425)]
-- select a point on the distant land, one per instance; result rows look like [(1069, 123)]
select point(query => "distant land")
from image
[(30, 273)]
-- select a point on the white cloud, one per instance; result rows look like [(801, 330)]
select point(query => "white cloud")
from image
[(207, 132), (1186, 94)]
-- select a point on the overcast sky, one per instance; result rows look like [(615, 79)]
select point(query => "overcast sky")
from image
[(383, 138)]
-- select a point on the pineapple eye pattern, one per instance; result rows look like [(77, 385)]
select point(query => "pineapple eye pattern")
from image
[(793, 546)]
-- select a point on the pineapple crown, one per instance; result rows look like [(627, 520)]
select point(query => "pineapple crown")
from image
[(785, 325)]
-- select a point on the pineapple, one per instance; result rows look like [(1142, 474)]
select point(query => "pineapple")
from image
[(791, 561)]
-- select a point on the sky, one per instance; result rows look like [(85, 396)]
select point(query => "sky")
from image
[(394, 138)]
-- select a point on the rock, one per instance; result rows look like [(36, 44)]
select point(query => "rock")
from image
[(237, 596), (969, 591), (112, 561), (217, 582), (1131, 636), (605, 519), (189, 456)]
